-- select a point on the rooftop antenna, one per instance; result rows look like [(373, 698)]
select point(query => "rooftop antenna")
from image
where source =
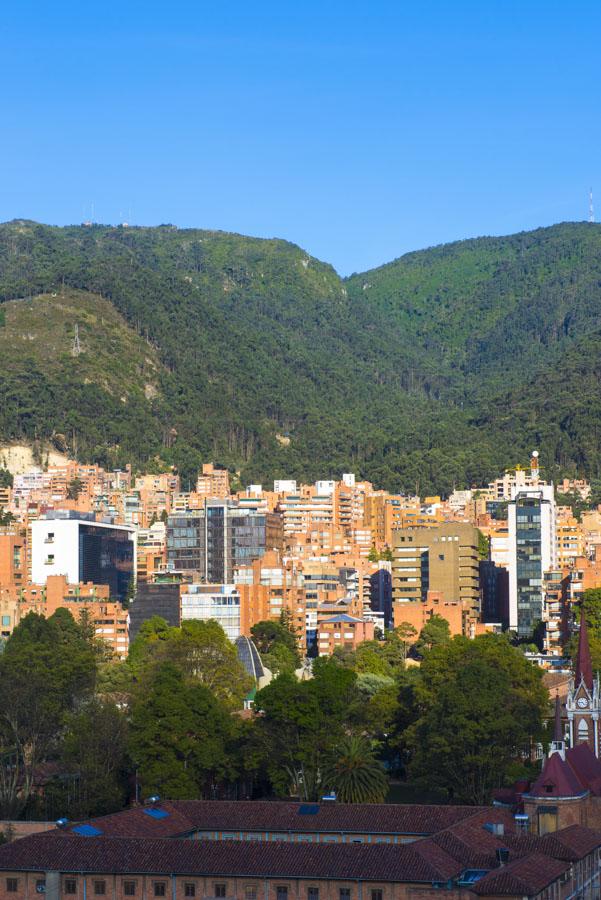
[(591, 210), (76, 348)]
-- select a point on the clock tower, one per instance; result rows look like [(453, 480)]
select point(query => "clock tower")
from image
[(583, 704)]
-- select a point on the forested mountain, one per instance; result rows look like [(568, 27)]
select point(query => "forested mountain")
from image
[(439, 368)]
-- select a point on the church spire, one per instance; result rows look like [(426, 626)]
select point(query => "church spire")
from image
[(558, 744), (584, 665), (557, 729)]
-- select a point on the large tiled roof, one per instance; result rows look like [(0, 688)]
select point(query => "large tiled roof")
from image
[(473, 843), (533, 862), (522, 878), (571, 843), (253, 859), (186, 816)]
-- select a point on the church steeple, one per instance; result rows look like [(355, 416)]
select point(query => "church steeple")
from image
[(558, 744), (583, 705), (584, 664), (557, 729)]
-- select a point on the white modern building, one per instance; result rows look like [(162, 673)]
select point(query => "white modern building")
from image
[(74, 545), (220, 602)]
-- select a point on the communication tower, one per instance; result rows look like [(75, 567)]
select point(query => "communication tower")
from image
[(76, 348)]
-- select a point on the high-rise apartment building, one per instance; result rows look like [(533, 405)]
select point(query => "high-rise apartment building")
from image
[(207, 544), (65, 543), (442, 559), (532, 551)]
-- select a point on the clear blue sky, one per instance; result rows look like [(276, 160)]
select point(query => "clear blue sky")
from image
[(358, 130)]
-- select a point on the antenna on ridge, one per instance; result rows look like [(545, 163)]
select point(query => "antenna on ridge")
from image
[(76, 348), (591, 211)]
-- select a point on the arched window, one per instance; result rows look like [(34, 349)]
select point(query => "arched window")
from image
[(582, 731)]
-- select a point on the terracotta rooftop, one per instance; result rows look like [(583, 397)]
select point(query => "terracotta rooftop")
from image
[(180, 817), (579, 772), (533, 862), (62, 852), (522, 878), (570, 844)]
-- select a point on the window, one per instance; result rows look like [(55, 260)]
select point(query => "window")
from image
[(70, 886), (547, 819), (344, 894), (12, 885), (189, 889), (100, 888), (6, 620), (281, 892), (129, 888), (250, 892), (40, 886), (376, 895), (219, 890), (313, 893), (159, 889)]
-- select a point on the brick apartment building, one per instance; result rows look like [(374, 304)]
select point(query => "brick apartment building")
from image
[(442, 559)]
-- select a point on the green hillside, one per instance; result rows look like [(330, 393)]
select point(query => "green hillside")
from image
[(106, 393), (439, 368)]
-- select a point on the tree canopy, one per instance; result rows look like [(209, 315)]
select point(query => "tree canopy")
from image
[(480, 705)]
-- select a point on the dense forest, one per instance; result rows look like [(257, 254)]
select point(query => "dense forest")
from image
[(96, 732), (438, 369)]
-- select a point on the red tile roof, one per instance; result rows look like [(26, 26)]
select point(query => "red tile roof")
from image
[(557, 779), (572, 843), (254, 859), (587, 767), (186, 816), (522, 878)]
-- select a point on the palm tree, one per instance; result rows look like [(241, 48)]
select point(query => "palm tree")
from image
[(354, 772)]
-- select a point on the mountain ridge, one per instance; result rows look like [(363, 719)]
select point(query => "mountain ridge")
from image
[(390, 372)]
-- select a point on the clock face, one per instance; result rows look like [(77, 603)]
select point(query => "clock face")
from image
[(582, 702)]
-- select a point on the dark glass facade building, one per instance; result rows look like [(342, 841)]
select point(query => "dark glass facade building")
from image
[(154, 600), (531, 516), (106, 556), (208, 544), (529, 563)]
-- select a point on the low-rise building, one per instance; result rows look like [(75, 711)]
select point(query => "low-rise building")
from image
[(220, 602)]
